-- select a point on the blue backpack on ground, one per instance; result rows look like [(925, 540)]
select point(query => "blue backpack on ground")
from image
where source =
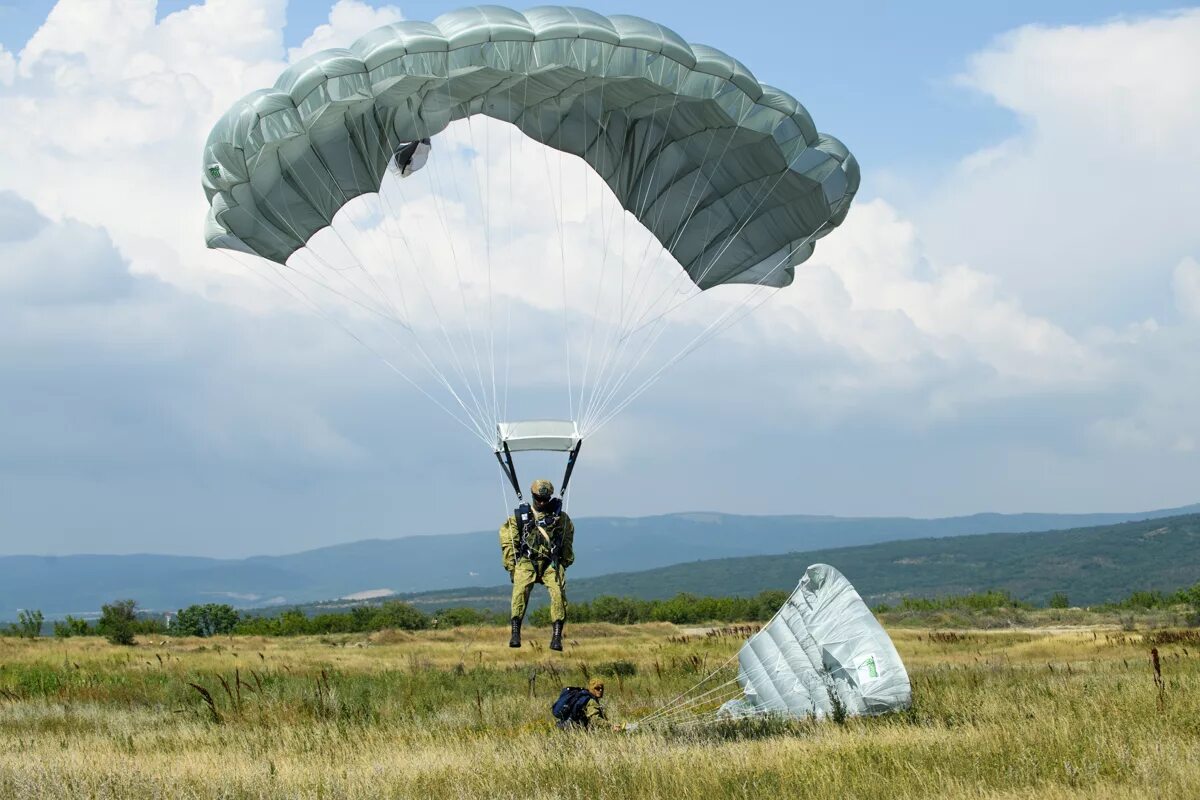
[(570, 705)]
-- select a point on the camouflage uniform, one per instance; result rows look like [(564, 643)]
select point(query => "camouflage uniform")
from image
[(526, 571), (592, 710)]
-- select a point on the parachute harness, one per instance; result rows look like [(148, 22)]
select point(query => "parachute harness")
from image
[(532, 533)]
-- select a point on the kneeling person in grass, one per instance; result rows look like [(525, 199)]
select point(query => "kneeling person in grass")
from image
[(577, 707)]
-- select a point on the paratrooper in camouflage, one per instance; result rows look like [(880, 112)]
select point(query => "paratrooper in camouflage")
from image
[(539, 554)]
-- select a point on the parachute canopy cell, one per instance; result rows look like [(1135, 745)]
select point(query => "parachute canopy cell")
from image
[(729, 174), (824, 646)]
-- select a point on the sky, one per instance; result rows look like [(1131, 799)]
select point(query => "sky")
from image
[(1008, 320)]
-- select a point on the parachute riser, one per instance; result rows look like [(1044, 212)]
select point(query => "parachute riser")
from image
[(510, 470), (570, 468)]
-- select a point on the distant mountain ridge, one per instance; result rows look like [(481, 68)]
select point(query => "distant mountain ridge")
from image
[(1091, 565), (604, 545)]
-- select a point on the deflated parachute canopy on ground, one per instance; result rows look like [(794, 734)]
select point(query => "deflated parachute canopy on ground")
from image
[(822, 654), (822, 650)]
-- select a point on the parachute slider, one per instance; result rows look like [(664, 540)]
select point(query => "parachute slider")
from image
[(538, 434), (553, 435)]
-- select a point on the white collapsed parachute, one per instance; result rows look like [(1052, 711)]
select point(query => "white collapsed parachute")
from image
[(823, 649)]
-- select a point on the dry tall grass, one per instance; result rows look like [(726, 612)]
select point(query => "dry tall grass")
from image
[(456, 714)]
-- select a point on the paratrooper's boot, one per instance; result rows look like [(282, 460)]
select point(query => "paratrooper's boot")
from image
[(515, 640), (556, 635)]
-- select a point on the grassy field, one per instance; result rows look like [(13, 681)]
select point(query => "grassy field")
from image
[(1045, 713)]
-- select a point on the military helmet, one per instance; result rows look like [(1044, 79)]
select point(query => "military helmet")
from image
[(542, 489)]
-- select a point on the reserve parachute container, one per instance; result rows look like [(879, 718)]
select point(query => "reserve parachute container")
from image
[(823, 649), (392, 187)]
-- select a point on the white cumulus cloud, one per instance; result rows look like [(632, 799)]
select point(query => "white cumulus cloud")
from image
[(1086, 210), (348, 20)]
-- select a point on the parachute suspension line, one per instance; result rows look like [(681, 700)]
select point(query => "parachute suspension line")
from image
[(430, 363), (437, 188), (590, 391), (787, 257), (617, 377), (614, 387), (648, 185), (511, 177), (483, 415), (583, 384), (558, 221), (719, 324), (728, 318), (315, 309), (477, 423), (491, 291), (588, 217), (562, 262), (359, 262), (667, 707), (485, 210), (470, 324), (430, 367), (437, 185), (731, 237), (682, 697), (685, 219), (479, 413), (613, 354), (713, 329), (369, 301), (686, 222), (683, 712), (720, 693), (652, 340)]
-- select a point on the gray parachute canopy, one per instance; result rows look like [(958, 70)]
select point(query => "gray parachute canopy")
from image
[(729, 174), (824, 644)]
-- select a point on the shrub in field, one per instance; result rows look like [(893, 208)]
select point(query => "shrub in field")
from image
[(1058, 600), (28, 624), (70, 626), (979, 601), (682, 609), (360, 619), (615, 669), (464, 615), (1146, 600), (400, 615), (118, 621), (210, 619)]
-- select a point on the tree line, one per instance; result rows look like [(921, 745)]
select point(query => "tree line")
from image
[(121, 621)]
